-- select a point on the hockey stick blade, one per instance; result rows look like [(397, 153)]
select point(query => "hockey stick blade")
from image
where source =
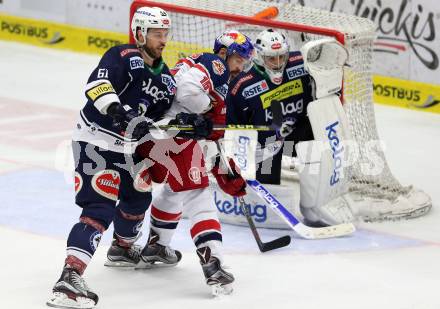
[(275, 244), (263, 246), (300, 229)]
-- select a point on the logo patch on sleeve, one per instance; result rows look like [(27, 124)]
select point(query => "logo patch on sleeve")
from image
[(100, 90), (136, 63), (106, 183), (218, 67), (170, 83)]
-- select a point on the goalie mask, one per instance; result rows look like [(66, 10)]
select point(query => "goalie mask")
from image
[(146, 18), (272, 54)]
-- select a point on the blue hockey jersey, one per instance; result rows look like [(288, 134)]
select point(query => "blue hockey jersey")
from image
[(248, 102), (122, 76)]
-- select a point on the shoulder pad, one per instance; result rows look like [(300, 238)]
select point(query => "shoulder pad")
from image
[(240, 80), (128, 50), (295, 57), (216, 67)]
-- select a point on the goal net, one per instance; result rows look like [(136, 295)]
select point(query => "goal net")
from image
[(378, 195)]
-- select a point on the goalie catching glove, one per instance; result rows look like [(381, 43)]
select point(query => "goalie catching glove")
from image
[(124, 118), (231, 183)]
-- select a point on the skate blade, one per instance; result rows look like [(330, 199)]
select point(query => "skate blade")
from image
[(122, 264), (61, 300), (218, 290), (150, 265)]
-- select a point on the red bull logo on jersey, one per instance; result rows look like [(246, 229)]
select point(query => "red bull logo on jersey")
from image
[(218, 67)]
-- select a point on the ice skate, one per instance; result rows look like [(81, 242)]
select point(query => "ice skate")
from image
[(157, 255), (119, 256), (71, 291), (217, 278)]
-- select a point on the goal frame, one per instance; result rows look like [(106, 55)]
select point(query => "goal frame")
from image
[(268, 23)]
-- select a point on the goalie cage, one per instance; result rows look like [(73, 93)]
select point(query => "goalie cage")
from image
[(195, 25)]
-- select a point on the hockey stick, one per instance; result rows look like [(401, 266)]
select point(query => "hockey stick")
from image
[(277, 119), (175, 127), (263, 246), (301, 229)]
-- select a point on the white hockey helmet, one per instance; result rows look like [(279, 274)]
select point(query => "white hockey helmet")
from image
[(272, 54), (149, 17)]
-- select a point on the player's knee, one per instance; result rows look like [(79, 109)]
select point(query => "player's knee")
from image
[(135, 207), (99, 215)]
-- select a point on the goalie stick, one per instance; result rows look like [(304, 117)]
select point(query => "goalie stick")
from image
[(263, 246), (300, 228)]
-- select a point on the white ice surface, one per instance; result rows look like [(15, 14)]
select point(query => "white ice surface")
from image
[(387, 265)]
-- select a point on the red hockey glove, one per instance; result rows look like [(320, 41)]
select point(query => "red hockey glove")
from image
[(234, 184), (217, 114)]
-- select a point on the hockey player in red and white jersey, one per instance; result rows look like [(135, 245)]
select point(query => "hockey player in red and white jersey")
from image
[(202, 84)]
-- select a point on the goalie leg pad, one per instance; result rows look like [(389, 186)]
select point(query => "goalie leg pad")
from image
[(324, 176)]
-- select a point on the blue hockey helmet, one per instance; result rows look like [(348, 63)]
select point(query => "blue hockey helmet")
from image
[(235, 42)]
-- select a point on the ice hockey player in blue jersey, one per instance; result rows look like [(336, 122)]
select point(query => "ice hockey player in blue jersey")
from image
[(277, 74), (130, 88)]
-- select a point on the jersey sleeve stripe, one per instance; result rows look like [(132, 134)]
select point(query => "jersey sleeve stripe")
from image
[(102, 95), (104, 101)]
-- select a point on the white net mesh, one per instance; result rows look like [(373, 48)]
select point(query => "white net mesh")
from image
[(371, 174)]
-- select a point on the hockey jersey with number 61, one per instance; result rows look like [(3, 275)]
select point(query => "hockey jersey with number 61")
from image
[(122, 76)]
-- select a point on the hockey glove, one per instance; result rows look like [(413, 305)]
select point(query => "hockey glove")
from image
[(122, 116), (201, 126), (287, 127), (232, 184)]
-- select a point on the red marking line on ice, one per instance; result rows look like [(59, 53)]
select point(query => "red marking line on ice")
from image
[(35, 126)]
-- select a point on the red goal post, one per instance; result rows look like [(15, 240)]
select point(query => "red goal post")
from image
[(195, 25)]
